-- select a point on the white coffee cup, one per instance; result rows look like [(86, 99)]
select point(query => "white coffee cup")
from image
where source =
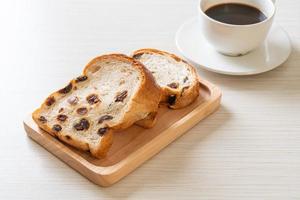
[(236, 40)]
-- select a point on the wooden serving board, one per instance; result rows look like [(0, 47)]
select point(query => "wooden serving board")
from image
[(133, 146)]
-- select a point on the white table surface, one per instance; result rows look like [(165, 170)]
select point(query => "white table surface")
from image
[(248, 149)]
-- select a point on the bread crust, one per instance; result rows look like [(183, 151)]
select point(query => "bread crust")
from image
[(184, 96), (149, 121), (143, 102)]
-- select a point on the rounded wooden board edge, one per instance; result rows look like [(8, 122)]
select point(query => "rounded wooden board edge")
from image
[(107, 176), (64, 153)]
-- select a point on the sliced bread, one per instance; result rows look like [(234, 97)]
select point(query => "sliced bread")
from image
[(178, 79), (114, 92)]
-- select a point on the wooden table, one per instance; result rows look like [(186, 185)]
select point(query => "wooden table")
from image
[(249, 149)]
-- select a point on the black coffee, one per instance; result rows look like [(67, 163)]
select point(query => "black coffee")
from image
[(235, 13)]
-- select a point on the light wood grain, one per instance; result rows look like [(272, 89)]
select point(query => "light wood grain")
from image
[(133, 146), (248, 149)]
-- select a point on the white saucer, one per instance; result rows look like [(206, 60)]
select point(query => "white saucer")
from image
[(195, 48)]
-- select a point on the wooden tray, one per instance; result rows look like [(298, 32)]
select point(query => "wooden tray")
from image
[(135, 145)]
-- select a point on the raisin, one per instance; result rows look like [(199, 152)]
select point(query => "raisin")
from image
[(81, 78), (185, 79), (42, 119), (92, 99), (68, 137), (101, 131), (73, 100), (66, 89), (171, 99), (82, 111), (50, 101), (105, 117), (121, 96), (60, 110), (83, 124), (56, 128), (173, 85), (62, 118)]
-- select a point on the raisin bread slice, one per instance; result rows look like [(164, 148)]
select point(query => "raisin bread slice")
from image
[(114, 92), (178, 79)]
